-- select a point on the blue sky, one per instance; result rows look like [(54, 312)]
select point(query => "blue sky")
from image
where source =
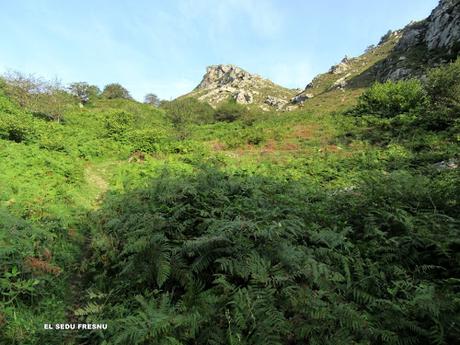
[(165, 46)]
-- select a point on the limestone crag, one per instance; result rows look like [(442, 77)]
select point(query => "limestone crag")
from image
[(341, 67), (441, 30), (220, 75), (301, 98), (427, 43), (223, 82), (276, 102)]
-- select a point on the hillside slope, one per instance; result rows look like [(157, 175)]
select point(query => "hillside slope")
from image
[(401, 54)]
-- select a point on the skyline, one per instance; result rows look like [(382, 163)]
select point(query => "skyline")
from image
[(164, 48)]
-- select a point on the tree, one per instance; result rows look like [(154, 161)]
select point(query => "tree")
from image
[(21, 87), (115, 90), (84, 92), (46, 99), (152, 99)]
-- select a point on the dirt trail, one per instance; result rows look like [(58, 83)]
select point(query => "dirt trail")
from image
[(95, 178)]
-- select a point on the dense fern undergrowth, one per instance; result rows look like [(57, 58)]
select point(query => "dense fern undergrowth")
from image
[(188, 225)]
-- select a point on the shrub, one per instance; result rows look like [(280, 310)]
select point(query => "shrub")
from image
[(146, 140), (15, 124), (188, 111), (443, 88), (390, 99), (230, 111), (118, 123)]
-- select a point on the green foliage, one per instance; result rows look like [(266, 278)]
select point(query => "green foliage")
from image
[(114, 91), (230, 111), (84, 92), (390, 99), (188, 110), (234, 258), (300, 227), (152, 99), (44, 99), (117, 123), (15, 124), (443, 88), (406, 109)]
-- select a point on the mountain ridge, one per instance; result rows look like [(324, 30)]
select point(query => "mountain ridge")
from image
[(401, 54)]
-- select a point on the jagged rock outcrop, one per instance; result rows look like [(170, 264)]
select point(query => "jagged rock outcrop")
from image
[(301, 98), (341, 67), (222, 82), (341, 83), (243, 97), (424, 44), (276, 102), (219, 75), (441, 30)]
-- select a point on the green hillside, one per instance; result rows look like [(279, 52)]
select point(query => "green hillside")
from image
[(336, 223), (242, 212)]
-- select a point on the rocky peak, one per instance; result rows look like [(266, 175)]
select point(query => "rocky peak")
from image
[(223, 82), (220, 75)]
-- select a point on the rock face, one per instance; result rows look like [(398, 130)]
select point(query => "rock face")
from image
[(422, 45), (342, 67), (243, 97), (219, 75), (441, 30), (341, 83), (222, 82), (276, 102), (301, 98)]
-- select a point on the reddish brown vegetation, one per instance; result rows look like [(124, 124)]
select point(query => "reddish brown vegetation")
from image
[(216, 145), (38, 265), (304, 131)]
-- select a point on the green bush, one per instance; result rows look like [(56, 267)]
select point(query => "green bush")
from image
[(15, 124), (390, 99), (117, 123), (443, 88), (188, 111), (146, 140), (230, 111)]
